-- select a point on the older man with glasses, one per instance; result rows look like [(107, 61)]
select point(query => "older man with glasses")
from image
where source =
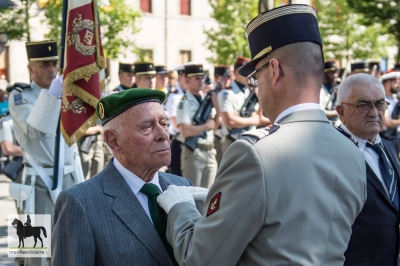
[(287, 194), (375, 232)]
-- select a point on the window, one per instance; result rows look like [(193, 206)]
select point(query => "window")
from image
[(145, 6), (145, 55), (185, 7), (185, 56)]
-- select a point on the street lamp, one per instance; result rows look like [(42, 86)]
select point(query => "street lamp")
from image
[(3, 41)]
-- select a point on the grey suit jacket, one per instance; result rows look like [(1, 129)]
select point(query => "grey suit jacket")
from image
[(289, 199), (101, 222)]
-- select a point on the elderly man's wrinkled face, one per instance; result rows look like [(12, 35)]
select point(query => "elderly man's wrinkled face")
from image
[(367, 123), (144, 136)]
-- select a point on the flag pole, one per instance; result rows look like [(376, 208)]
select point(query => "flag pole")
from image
[(60, 71)]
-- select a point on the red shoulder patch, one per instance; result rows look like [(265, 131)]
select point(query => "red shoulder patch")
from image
[(214, 204)]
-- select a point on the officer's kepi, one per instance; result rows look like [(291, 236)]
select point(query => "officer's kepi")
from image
[(279, 27)]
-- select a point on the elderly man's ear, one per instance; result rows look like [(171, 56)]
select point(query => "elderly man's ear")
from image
[(111, 138), (339, 110)]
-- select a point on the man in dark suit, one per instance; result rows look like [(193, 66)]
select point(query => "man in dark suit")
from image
[(111, 219), (375, 232)]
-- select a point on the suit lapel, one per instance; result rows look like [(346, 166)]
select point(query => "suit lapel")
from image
[(374, 180), (163, 181), (393, 157), (127, 207)]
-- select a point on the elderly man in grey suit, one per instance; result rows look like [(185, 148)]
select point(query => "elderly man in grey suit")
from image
[(287, 194), (113, 218)]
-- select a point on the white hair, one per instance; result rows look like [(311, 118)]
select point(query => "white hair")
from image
[(365, 80)]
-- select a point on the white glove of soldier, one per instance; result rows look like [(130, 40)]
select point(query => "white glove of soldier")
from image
[(56, 87), (173, 195), (199, 193)]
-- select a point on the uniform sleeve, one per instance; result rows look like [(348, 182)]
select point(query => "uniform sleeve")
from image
[(183, 112), (227, 102), (6, 131), (172, 105), (72, 239), (45, 113), (20, 113), (233, 215)]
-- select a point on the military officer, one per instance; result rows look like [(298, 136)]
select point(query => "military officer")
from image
[(162, 78), (172, 107), (145, 75), (35, 112), (262, 209), (359, 67), (199, 165), (326, 99), (126, 75), (391, 84), (231, 101), (220, 83)]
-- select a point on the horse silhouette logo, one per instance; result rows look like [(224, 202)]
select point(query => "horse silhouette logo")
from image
[(28, 231)]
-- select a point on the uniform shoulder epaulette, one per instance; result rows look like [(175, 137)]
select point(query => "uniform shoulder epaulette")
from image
[(347, 135), (184, 97), (253, 136), (19, 86)]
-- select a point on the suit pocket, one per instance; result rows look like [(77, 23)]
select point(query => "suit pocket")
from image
[(361, 261)]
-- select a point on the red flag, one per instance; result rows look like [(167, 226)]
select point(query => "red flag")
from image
[(83, 73)]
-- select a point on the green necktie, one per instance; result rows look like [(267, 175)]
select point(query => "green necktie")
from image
[(158, 216)]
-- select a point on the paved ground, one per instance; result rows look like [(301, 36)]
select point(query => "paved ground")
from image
[(7, 206)]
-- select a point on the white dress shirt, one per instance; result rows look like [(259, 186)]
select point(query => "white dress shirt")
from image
[(370, 156), (296, 108), (136, 183)]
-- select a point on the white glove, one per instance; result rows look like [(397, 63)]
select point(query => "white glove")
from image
[(199, 193), (173, 195), (56, 87)]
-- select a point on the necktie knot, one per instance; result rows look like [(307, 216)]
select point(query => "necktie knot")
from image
[(376, 147), (150, 190)]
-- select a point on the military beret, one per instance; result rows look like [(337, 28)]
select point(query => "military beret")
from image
[(241, 61), (361, 67), (279, 27), (115, 104), (42, 51)]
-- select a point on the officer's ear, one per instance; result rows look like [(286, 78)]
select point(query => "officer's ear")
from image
[(110, 137)]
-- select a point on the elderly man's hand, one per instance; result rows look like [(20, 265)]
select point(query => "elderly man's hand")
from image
[(173, 195), (56, 87)]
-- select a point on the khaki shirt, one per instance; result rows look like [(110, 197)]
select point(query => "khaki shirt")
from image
[(231, 101), (187, 108), (35, 115)]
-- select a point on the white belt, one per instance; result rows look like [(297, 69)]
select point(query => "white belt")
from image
[(67, 169)]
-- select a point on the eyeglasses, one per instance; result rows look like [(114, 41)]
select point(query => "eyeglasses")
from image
[(253, 78), (366, 107)]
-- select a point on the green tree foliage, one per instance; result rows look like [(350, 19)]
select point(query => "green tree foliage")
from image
[(346, 36), (119, 22), (229, 40), (380, 11), (15, 21)]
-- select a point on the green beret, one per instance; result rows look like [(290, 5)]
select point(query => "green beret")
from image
[(117, 103)]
